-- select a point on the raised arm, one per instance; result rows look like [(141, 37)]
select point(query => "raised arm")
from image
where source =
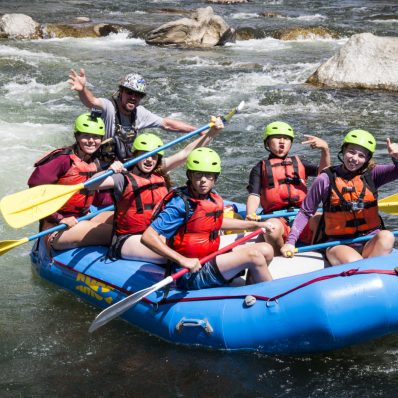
[(318, 143), (78, 82), (392, 149), (180, 157)]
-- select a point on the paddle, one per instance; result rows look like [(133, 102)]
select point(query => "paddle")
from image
[(336, 243), (389, 204), (121, 306), (281, 214), (25, 207), (6, 245)]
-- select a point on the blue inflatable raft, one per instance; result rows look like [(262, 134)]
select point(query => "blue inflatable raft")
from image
[(307, 308)]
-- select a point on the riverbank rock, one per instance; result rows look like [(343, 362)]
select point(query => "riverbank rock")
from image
[(169, 10), (313, 32), (248, 33), (365, 61), (19, 26), (202, 29), (270, 14), (79, 31)]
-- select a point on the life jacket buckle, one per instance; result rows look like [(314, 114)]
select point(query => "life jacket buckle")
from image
[(355, 206), (288, 180), (348, 190), (292, 180), (213, 235)]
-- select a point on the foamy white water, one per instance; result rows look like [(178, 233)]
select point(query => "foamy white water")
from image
[(44, 346)]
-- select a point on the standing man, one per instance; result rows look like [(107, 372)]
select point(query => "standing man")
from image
[(123, 115)]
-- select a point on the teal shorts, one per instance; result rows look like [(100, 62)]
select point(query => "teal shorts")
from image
[(208, 276)]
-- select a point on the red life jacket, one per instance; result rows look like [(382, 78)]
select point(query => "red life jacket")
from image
[(79, 172), (134, 210), (200, 234), (50, 155), (283, 183), (351, 208)]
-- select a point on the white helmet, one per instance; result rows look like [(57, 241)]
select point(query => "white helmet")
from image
[(135, 82)]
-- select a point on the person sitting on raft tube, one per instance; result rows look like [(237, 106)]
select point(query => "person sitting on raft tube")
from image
[(138, 191), (349, 196), (69, 166), (187, 227), (280, 181)]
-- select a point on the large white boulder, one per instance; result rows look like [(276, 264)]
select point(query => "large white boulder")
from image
[(19, 26), (365, 61), (202, 29)]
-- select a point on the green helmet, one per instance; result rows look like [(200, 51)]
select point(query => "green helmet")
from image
[(278, 128), (85, 123), (147, 142), (361, 138), (205, 160)]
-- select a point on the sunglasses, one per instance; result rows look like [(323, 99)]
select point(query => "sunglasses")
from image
[(198, 175), (132, 92)]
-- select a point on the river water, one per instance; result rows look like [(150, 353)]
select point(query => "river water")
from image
[(45, 349)]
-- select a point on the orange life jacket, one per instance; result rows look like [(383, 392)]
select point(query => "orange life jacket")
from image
[(134, 210), (283, 183), (79, 172), (200, 234), (351, 208)]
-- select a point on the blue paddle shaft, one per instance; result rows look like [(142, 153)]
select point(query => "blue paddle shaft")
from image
[(147, 154), (338, 242), (130, 162), (64, 226), (277, 214)]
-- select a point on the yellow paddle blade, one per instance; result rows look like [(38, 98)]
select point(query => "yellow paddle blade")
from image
[(25, 207), (7, 245), (389, 204)]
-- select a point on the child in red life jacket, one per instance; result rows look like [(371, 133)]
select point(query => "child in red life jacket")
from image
[(187, 227), (69, 166), (280, 181), (139, 190)]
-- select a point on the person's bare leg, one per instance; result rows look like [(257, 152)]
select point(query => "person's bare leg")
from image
[(255, 257), (133, 249), (85, 233), (105, 217), (274, 234), (380, 245), (342, 254)]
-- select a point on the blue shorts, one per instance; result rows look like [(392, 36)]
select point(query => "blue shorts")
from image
[(208, 276)]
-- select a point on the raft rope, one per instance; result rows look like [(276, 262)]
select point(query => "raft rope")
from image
[(350, 272)]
